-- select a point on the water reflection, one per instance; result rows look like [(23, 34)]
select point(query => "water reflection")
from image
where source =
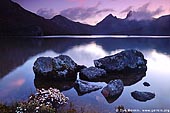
[(18, 81), (62, 86), (86, 53), (112, 99)]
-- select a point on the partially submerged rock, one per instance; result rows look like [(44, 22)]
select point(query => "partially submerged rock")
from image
[(113, 90), (146, 84), (58, 68), (43, 66), (83, 87), (126, 61), (142, 96), (92, 74)]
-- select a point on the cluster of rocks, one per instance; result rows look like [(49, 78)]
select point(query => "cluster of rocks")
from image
[(117, 70)]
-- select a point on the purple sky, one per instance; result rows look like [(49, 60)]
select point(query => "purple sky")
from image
[(93, 11)]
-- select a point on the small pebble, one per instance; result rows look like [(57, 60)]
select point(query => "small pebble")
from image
[(146, 84)]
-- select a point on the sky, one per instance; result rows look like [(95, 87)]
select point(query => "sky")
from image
[(93, 11)]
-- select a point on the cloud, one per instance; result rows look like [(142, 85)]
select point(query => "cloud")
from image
[(46, 13), (104, 10), (77, 0), (83, 13), (127, 9), (143, 13)]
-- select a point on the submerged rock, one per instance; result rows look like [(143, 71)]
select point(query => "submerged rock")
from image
[(58, 68), (125, 61), (92, 74), (142, 96), (113, 90), (83, 87), (146, 84)]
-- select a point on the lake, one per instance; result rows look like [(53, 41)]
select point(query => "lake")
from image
[(17, 77)]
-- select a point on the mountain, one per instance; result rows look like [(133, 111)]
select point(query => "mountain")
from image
[(109, 25), (15, 20), (128, 26), (72, 27)]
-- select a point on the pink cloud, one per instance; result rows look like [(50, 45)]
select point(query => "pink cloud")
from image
[(84, 13), (143, 13), (81, 1)]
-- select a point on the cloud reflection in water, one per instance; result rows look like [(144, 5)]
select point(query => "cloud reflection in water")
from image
[(158, 69)]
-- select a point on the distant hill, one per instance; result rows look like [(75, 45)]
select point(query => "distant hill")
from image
[(72, 27), (15, 20)]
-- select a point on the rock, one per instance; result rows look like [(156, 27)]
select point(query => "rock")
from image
[(43, 66), (92, 74), (80, 67), (58, 68), (83, 87), (113, 90), (142, 96), (126, 61), (146, 84)]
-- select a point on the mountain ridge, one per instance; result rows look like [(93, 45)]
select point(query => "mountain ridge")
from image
[(15, 20)]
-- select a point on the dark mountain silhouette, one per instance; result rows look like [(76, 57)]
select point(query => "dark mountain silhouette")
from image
[(114, 25), (15, 20), (72, 27)]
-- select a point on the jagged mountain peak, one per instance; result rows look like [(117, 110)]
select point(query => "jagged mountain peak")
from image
[(108, 19), (110, 16), (130, 13)]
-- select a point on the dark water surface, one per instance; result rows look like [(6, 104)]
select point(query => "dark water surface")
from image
[(17, 56)]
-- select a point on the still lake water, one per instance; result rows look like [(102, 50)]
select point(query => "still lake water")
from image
[(17, 77)]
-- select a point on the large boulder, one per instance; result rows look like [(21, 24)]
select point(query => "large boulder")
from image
[(142, 96), (83, 87), (113, 90), (126, 61), (92, 74), (58, 68)]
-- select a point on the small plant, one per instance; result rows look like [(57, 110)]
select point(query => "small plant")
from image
[(44, 101), (5, 109), (33, 107)]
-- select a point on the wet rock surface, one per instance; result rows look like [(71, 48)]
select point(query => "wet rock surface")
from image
[(58, 68), (83, 87), (113, 90), (92, 74), (142, 96), (125, 62), (146, 84)]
